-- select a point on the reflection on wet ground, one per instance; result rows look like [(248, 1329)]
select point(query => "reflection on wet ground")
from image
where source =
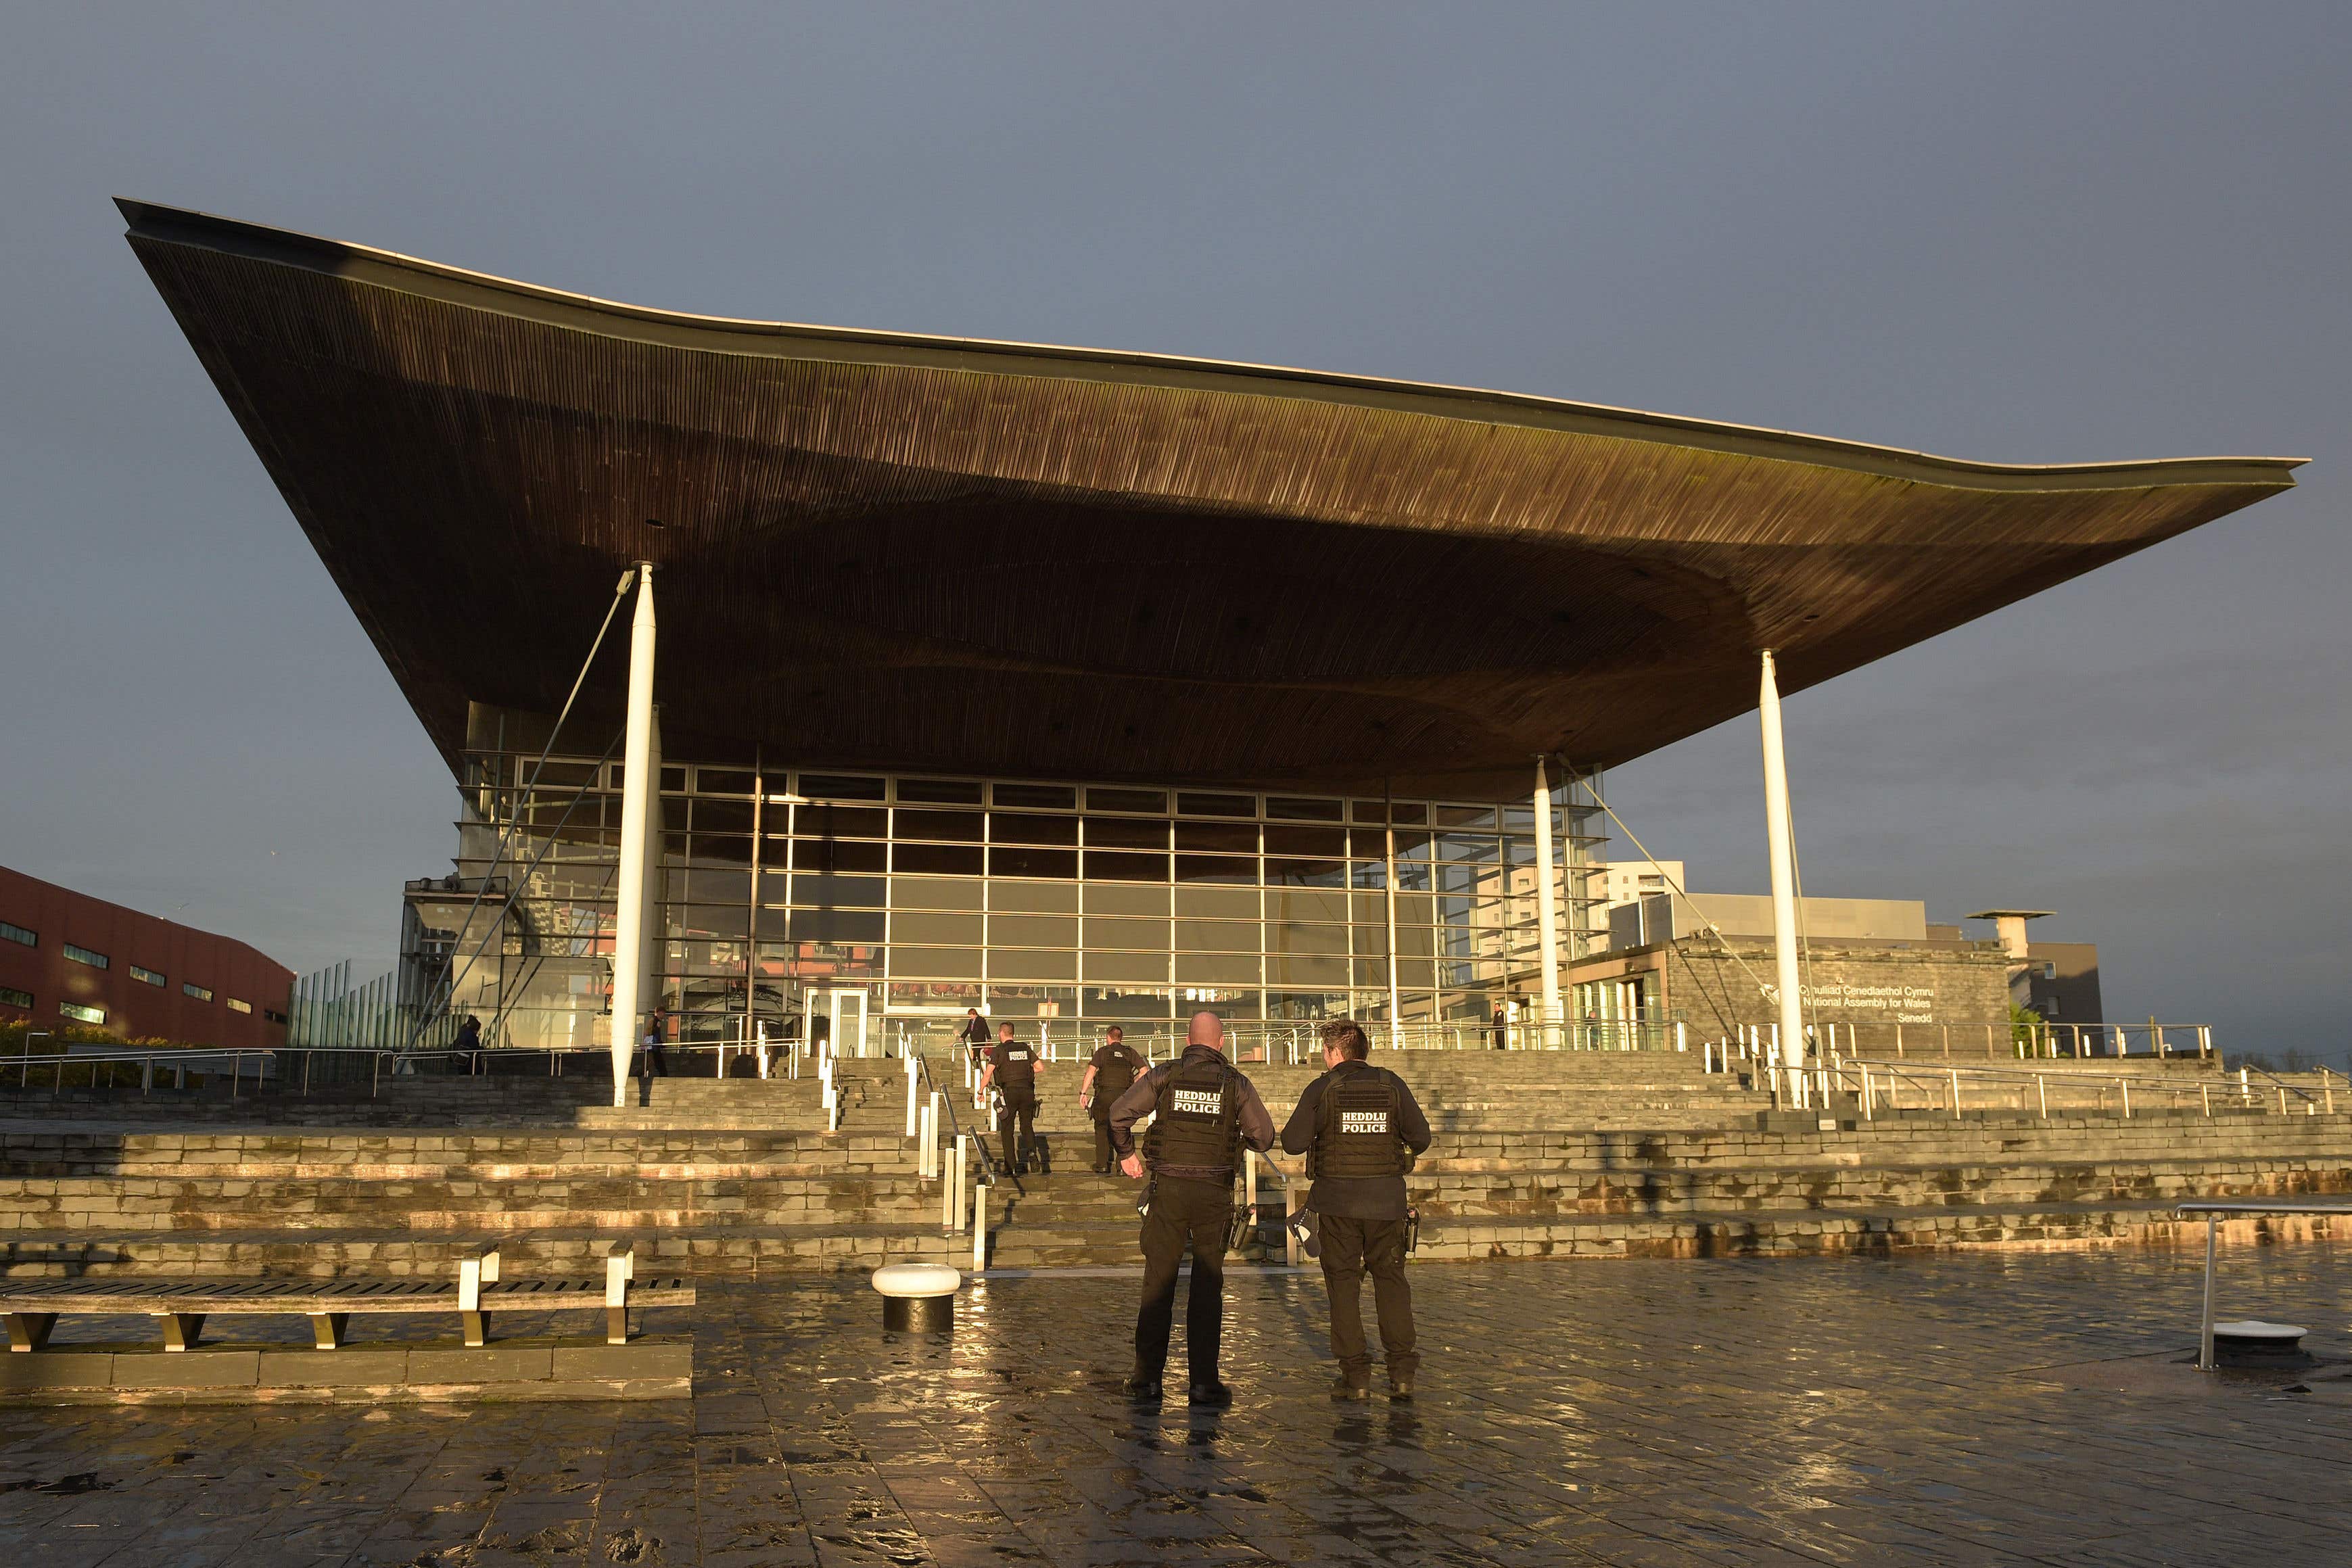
[(1935, 1410)]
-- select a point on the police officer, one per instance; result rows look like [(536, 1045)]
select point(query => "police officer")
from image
[(1202, 1109), (1115, 1067), (1012, 1068), (1360, 1128)]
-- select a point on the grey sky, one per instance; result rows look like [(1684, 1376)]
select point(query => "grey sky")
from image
[(2013, 233)]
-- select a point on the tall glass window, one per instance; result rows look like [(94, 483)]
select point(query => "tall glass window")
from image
[(792, 901)]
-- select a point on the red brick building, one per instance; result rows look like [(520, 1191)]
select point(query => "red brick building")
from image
[(67, 958)]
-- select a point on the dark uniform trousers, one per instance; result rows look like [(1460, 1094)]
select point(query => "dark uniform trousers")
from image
[(1104, 1157), (1020, 1110), (1351, 1248), (1185, 1215)]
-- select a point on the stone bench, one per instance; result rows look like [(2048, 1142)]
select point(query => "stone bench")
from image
[(180, 1306)]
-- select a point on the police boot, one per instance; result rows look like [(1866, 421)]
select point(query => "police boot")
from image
[(1141, 1385), (1341, 1388), (1215, 1395), (1400, 1388)]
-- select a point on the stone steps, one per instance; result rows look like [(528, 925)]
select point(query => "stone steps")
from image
[(785, 1249), (35, 1205)]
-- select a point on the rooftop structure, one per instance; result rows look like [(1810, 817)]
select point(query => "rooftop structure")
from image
[(895, 552)]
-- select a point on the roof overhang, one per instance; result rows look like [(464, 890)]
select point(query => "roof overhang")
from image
[(885, 550)]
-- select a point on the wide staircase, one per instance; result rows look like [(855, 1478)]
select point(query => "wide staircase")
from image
[(1536, 1154)]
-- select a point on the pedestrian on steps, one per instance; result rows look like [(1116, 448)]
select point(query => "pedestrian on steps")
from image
[(1012, 1069)]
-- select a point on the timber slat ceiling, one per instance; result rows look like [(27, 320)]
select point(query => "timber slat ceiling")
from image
[(937, 554)]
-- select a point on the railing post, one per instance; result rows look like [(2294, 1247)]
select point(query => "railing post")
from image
[(2205, 1320), (2125, 1084), (2042, 1090), (978, 1229), (962, 1170), (1955, 1075)]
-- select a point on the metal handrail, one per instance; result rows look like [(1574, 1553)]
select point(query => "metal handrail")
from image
[(2213, 1211), (1852, 1075)]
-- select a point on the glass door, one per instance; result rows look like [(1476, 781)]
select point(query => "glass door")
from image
[(849, 1022)]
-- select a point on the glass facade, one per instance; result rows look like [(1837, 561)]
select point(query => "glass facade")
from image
[(860, 905)]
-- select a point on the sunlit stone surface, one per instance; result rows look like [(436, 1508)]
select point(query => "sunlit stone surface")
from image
[(1967, 1408)]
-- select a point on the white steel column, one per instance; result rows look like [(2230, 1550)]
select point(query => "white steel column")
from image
[(1547, 911), (1784, 885), (640, 797)]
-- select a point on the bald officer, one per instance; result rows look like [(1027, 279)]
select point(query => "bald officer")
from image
[(1202, 1109)]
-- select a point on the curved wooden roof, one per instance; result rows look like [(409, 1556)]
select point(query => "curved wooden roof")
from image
[(882, 550)]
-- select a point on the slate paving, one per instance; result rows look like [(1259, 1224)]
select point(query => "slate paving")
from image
[(1971, 1409)]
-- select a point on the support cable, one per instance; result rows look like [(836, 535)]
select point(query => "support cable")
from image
[(514, 825), (554, 835), (1709, 926)]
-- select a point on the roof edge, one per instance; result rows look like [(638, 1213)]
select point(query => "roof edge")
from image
[(174, 225)]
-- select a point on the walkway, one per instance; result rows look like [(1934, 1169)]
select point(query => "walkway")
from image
[(1956, 1409)]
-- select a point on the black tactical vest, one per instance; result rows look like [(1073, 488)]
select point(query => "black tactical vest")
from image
[(1197, 1121), (1355, 1134), (1116, 1076), (1016, 1069)]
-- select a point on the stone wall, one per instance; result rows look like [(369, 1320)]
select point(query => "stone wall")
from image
[(1855, 983)]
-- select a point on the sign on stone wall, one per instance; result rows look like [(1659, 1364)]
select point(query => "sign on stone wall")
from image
[(1849, 983)]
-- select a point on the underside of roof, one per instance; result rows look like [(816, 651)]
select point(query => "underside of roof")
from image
[(938, 555)]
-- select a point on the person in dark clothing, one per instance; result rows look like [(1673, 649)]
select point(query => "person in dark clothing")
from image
[(1012, 1069), (1202, 1109), (469, 1035), (653, 1060), (1502, 1024), (1361, 1128), (1115, 1067), (974, 1035)]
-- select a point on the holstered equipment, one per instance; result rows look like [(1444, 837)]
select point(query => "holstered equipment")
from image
[(1308, 1226), (1242, 1226), (1356, 1135), (1197, 1122)]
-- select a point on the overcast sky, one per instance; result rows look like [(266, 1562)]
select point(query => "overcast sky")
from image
[(2026, 233)]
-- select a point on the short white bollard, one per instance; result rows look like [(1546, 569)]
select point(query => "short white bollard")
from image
[(978, 1229), (917, 1298), (914, 1099)]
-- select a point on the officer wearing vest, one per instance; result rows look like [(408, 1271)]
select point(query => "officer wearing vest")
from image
[(1360, 1128), (1202, 1111), (1115, 1068), (1012, 1069)]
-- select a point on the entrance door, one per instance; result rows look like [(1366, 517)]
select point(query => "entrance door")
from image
[(849, 1022)]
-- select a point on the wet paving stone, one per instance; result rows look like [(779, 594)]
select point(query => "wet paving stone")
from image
[(1987, 1409)]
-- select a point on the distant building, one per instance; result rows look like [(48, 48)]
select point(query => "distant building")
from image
[(1629, 882), (1702, 960), (2059, 981), (67, 958)]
